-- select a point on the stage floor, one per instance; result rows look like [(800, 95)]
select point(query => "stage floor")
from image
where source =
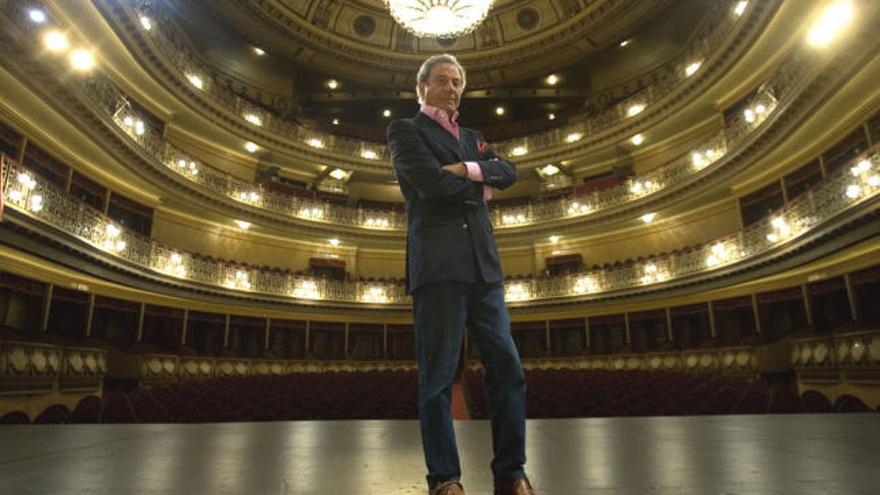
[(832, 454)]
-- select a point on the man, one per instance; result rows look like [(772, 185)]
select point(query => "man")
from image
[(446, 174)]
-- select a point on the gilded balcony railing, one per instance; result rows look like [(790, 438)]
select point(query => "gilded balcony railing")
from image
[(101, 89), (711, 36), (847, 189)]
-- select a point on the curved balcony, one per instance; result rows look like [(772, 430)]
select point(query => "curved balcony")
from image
[(717, 44), (790, 81), (718, 153), (844, 197)]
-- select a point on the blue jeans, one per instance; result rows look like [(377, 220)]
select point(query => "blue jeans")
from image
[(441, 310)]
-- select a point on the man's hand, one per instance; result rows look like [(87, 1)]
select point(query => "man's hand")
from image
[(458, 169)]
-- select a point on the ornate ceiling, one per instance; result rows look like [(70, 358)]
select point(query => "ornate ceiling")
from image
[(519, 39), (358, 43)]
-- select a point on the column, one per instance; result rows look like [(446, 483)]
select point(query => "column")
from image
[(851, 297), (805, 293), (547, 341), (91, 314), (47, 307), (266, 333), (226, 332), (587, 332), (140, 328), (712, 328), (183, 328), (756, 314)]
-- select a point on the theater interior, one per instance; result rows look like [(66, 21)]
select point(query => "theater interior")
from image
[(202, 245)]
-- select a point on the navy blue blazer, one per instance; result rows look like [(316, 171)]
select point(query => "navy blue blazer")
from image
[(449, 236)]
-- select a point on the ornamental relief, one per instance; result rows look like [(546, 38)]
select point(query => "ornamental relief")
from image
[(15, 360), (341, 29), (20, 360)]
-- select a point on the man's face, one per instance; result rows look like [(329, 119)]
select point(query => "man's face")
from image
[(443, 88)]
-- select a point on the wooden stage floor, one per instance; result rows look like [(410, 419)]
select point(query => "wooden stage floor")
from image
[(833, 454)]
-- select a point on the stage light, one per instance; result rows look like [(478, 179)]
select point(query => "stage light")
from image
[(832, 20), (37, 16), (36, 202), (853, 191), (637, 140), (338, 174), (552, 79), (251, 147), (692, 68), (55, 41), (635, 110), (196, 81), (550, 170)]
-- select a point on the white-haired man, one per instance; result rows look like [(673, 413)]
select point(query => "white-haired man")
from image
[(446, 174)]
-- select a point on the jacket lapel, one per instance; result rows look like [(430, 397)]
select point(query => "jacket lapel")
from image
[(440, 135)]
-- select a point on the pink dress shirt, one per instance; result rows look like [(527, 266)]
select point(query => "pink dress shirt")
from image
[(474, 173)]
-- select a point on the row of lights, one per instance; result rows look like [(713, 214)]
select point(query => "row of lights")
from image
[(334, 84), (642, 187), (245, 225), (574, 137), (832, 20), (56, 41), (867, 180), (722, 252), (147, 24), (377, 223), (24, 192), (188, 168)]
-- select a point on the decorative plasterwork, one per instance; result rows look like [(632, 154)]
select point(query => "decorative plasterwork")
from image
[(518, 39)]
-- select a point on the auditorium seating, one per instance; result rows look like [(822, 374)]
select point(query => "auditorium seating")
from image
[(816, 402), (786, 400), (553, 393), (14, 418), (850, 404), (88, 410), (601, 393), (55, 414), (298, 396)]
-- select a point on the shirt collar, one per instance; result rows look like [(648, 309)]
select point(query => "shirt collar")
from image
[(439, 114)]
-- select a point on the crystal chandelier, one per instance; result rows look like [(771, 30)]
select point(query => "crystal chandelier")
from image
[(439, 18)]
